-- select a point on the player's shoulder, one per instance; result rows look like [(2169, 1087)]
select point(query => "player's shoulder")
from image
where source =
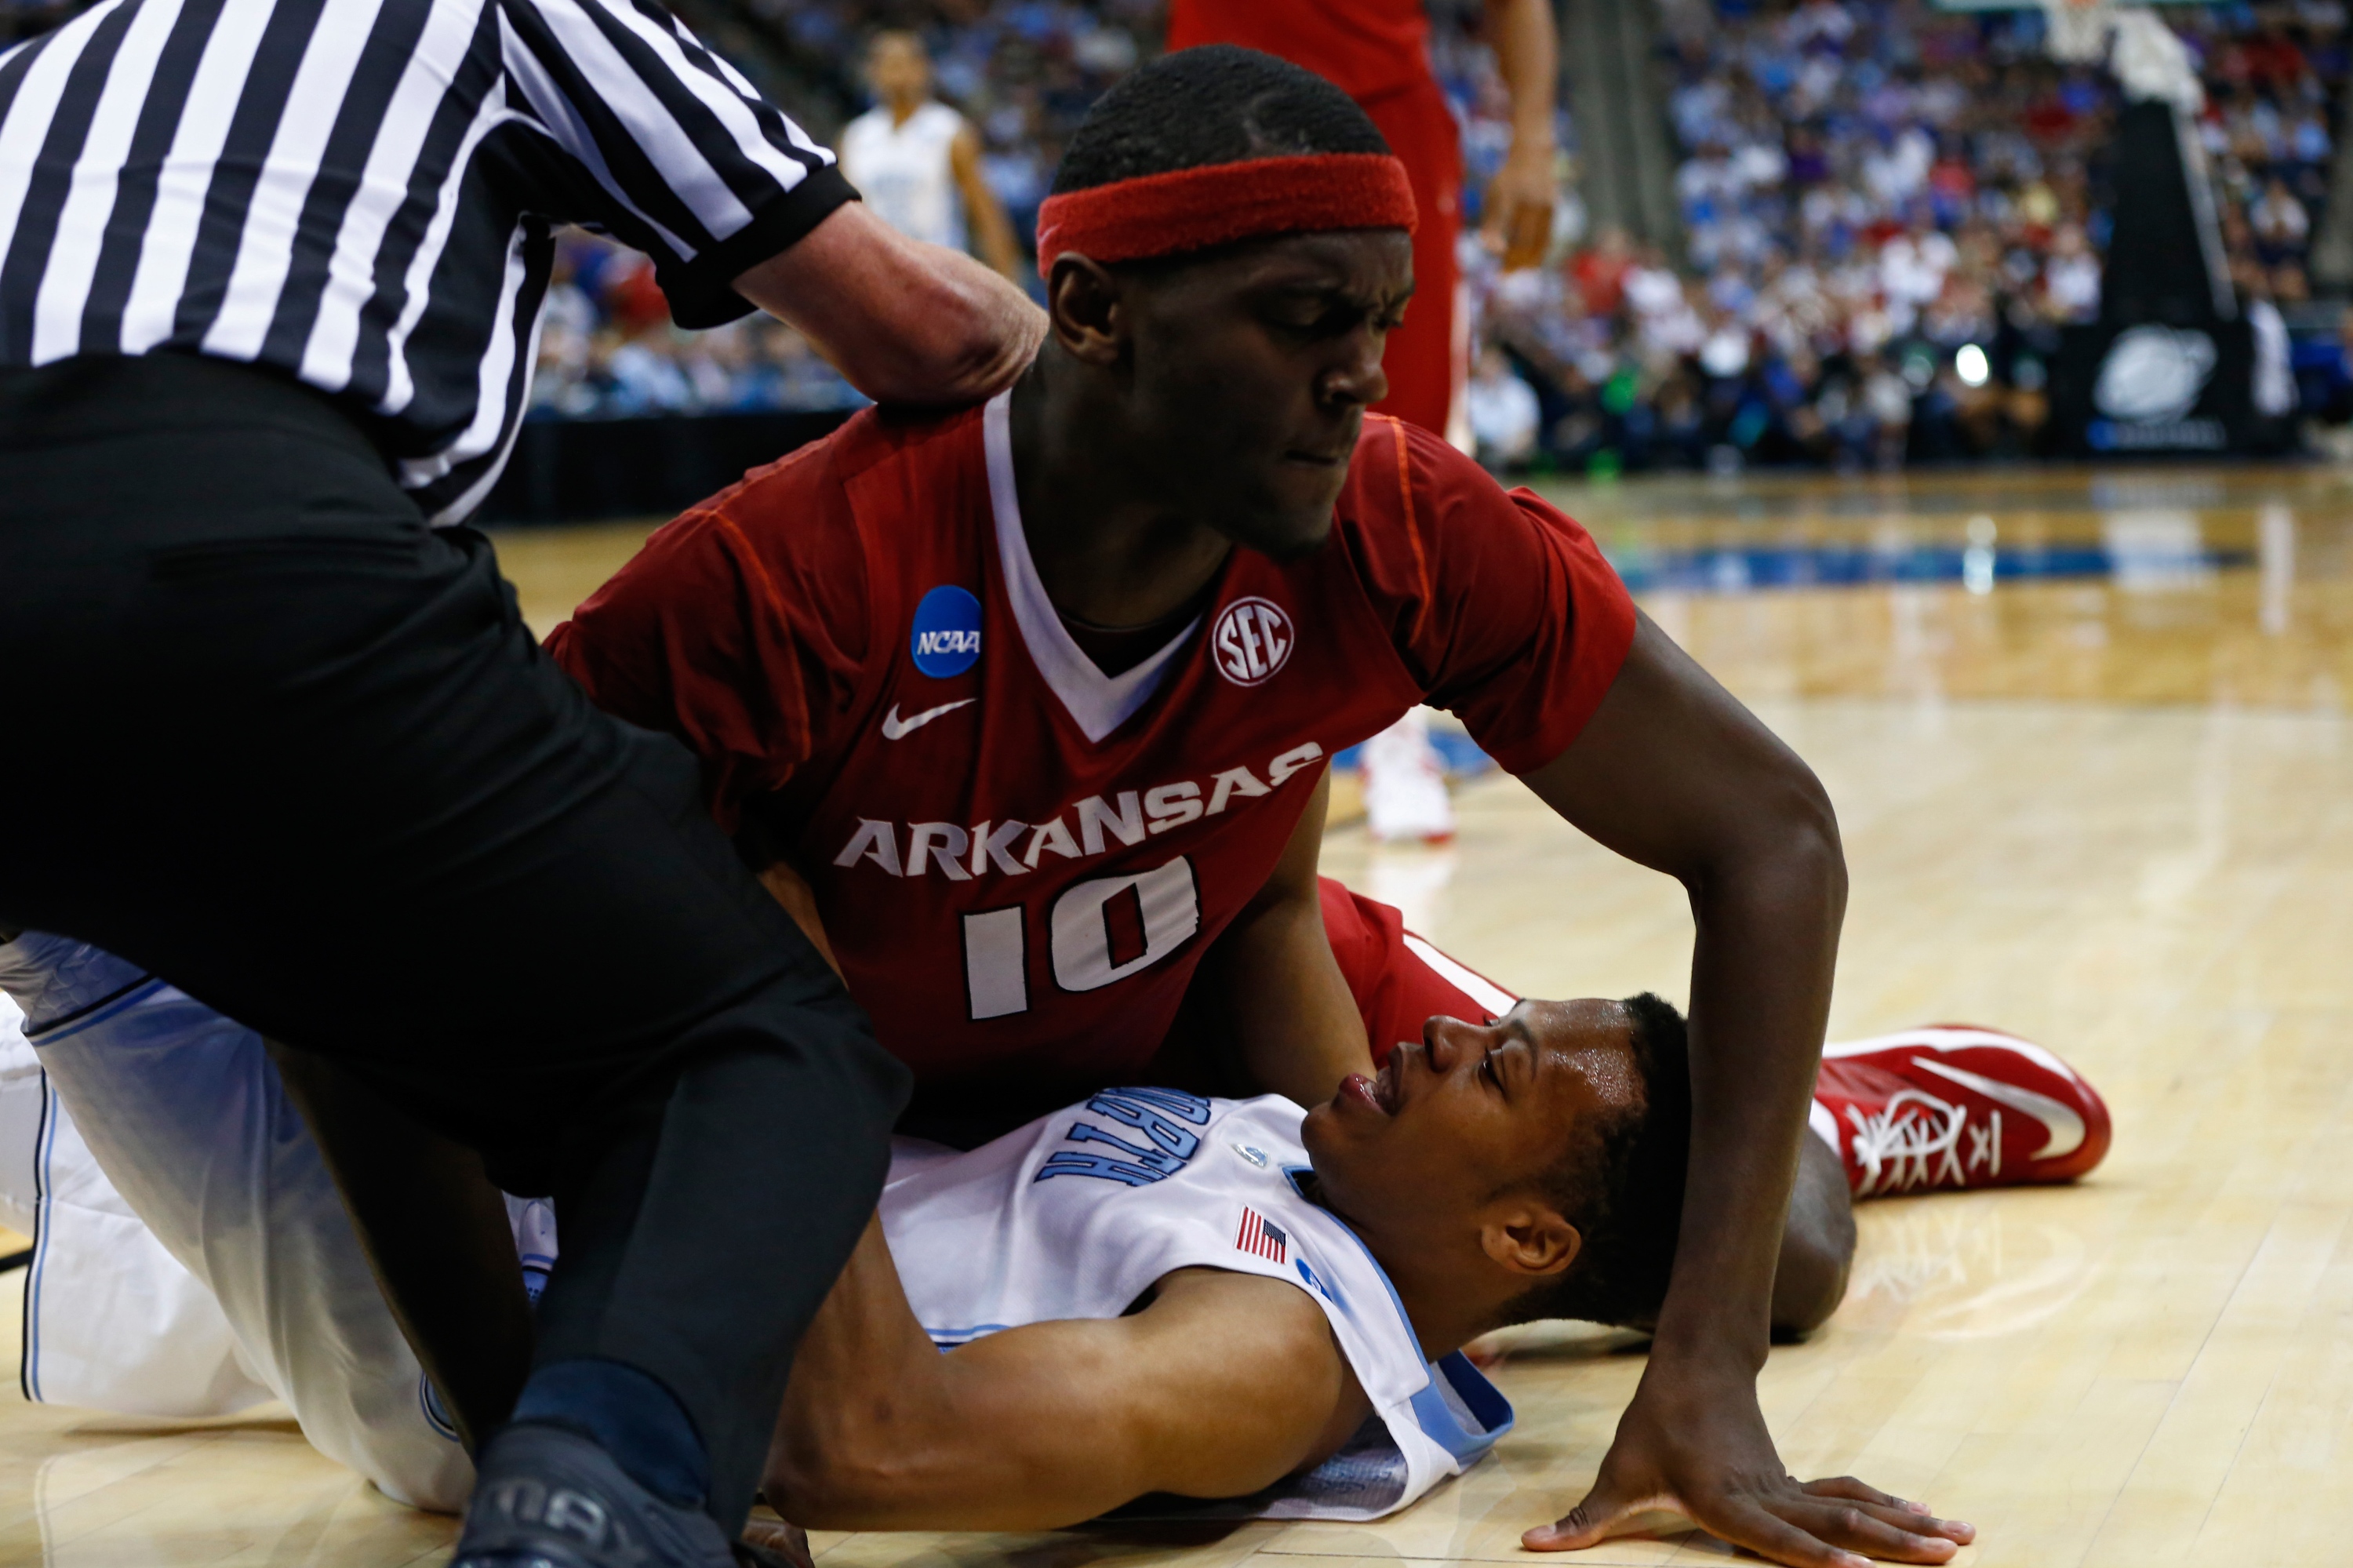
[(871, 439), (1414, 503), (817, 499), (1419, 521), (784, 544), (1400, 472)]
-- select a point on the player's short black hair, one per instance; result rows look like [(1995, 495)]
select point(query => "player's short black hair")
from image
[(1215, 104), (1622, 1185)]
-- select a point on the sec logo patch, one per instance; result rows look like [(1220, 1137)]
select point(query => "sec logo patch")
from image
[(947, 639), (1252, 640)]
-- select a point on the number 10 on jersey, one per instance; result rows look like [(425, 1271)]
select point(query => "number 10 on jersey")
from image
[(1097, 932)]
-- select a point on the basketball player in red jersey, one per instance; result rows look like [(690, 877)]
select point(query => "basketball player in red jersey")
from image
[(1378, 52), (1036, 697)]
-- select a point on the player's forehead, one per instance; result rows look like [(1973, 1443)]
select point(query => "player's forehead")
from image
[(1366, 269), (1587, 1038)]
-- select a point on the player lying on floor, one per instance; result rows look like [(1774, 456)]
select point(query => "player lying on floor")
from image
[(1157, 1292), (191, 1110), (1497, 1171), (1297, 1274)]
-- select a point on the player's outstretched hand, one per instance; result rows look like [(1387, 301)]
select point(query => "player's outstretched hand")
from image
[(1698, 1453)]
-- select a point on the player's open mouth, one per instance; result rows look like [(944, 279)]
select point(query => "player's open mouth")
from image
[(1379, 1092)]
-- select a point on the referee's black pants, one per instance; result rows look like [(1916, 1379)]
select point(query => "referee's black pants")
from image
[(271, 737)]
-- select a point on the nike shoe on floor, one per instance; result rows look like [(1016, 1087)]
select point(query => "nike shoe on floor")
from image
[(1955, 1106), (546, 1497)]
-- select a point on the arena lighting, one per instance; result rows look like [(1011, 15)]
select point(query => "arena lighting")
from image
[(1969, 364)]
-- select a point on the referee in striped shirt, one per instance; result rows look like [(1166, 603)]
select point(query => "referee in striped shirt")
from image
[(270, 278)]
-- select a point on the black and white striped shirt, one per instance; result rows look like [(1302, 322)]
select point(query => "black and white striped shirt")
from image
[(362, 194)]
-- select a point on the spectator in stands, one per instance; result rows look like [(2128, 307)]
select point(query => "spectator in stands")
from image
[(1599, 271), (2071, 279), (917, 162), (2280, 224), (1503, 413)]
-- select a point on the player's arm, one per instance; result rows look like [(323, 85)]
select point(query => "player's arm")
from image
[(904, 321), (1270, 991), (1519, 199), (990, 227), (1674, 773), (1224, 1384)]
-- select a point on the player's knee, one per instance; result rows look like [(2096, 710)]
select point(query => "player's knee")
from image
[(1817, 1244), (1808, 1286)]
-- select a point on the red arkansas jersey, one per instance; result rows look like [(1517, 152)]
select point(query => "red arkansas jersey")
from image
[(1017, 858)]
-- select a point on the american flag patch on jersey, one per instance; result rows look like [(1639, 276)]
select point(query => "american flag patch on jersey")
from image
[(1261, 1237)]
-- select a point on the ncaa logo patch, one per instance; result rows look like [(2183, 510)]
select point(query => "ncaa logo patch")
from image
[(1252, 640), (947, 639)]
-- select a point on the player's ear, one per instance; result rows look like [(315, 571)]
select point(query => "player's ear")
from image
[(1082, 301), (1528, 1236)]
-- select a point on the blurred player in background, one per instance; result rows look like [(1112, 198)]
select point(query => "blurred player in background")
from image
[(917, 162), (1377, 51)]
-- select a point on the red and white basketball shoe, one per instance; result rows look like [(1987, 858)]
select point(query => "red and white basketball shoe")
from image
[(1955, 1106)]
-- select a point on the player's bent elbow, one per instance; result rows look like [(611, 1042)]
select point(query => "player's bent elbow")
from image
[(845, 1460), (833, 1485), (1804, 831)]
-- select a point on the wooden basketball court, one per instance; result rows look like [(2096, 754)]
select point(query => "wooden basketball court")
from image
[(2091, 757)]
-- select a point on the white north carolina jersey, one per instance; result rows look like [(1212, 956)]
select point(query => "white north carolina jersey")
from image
[(1079, 1214), (903, 171)]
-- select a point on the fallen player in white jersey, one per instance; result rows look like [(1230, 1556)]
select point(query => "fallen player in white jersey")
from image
[(1153, 1292), (192, 1115), (1158, 1293)]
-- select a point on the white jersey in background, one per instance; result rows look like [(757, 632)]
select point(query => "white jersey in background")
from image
[(1078, 1214), (904, 172)]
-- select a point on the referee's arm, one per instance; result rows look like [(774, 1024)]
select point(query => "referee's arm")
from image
[(905, 322)]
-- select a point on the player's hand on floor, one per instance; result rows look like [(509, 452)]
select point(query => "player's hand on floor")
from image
[(1687, 1453)]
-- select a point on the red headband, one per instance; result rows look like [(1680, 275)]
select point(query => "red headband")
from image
[(1192, 209)]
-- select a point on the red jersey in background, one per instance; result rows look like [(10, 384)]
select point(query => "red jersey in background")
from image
[(1018, 859), (1364, 47)]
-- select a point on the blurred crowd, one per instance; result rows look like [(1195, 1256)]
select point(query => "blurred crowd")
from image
[(1023, 73), (607, 350), (1889, 211)]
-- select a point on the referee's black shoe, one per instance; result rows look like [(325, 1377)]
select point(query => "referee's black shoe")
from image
[(546, 1497)]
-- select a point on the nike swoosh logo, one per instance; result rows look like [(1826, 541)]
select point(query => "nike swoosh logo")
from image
[(893, 726), (2058, 1119)]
